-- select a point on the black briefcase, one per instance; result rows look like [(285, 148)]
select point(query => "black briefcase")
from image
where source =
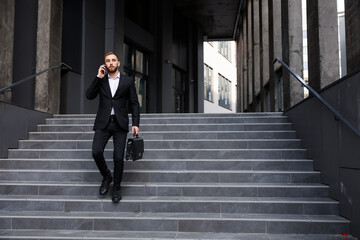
[(134, 148)]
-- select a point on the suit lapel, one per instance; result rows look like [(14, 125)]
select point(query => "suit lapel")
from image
[(121, 83), (107, 85)]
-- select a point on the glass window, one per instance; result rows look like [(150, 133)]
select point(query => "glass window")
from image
[(208, 83), (224, 92), (136, 66), (139, 61), (225, 49)]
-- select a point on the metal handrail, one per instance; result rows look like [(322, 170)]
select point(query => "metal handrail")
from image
[(337, 114), (34, 75)]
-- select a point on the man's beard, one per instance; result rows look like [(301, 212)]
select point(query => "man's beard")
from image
[(112, 70)]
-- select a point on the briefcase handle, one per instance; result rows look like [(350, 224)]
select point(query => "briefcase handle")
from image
[(135, 135)]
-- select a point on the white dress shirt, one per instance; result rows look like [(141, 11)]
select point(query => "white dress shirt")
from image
[(113, 83)]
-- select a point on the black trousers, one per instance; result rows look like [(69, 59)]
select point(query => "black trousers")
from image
[(101, 138)]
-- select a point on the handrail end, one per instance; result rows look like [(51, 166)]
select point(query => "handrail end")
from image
[(65, 65), (275, 60)]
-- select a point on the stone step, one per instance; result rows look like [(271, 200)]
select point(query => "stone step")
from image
[(143, 235), (179, 120), (165, 164), (184, 189), (174, 127), (149, 176), (169, 144), (172, 135), (182, 115), (224, 205), (181, 222), (165, 153), (203, 176)]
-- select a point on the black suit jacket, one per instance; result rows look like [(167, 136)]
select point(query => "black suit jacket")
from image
[(125, 94)]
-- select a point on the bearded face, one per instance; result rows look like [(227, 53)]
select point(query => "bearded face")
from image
[(112, 63)]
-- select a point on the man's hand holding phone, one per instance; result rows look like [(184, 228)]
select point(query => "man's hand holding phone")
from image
[(101, 71)]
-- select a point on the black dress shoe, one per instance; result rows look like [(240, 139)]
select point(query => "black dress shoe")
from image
[(105, 185), (116, 194)]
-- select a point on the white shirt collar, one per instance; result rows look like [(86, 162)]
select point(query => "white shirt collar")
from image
[(117, 77)]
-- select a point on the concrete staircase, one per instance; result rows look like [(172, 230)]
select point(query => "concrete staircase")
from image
[(203, 176)]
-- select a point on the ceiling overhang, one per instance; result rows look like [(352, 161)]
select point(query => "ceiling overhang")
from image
[(219, 19)]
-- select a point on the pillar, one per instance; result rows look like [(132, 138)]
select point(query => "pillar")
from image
[(114, 29), (277, 52), (250, 50), (291, 12), (240, 62), (166, 38), (47, 88), (265, 60), (352, 23), (322, 42), (245, 65), (199, 55), (7, 15), (256, 51)]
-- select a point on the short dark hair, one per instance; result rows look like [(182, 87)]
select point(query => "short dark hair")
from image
[(110, 53)]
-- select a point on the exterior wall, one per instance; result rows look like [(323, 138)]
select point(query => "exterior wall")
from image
[(79, 33), (7, 16), (15, 123), (332, 145), (283, 34), (226, 68), (24, 62), (352, 22)]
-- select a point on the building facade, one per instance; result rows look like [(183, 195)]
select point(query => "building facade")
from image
[(220, 77), (158, 46)]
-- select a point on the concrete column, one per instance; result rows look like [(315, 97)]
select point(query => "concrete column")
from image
[(256, 56), (199, 96), (250, 34), (47, 88), (240, 78), (245, 65), (322, 42), (277, 51), (7, 16), (292, 50), (264, 40), (114, 29), (352, 23), (166, 39)]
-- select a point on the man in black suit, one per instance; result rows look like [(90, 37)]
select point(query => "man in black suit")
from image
[(116, 91)]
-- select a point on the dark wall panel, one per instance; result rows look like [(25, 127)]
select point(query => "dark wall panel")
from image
[(70, 89), (72, 33), (332, 145), (24, 62), (15, 123), (94, 41), (350, 198)]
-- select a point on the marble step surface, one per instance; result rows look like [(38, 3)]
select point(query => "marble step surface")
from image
[(150, 235), (296, 153), (164, 164), (168, 204), (170, 144), (175, 127), (182, 115), (172, 189), (203, 176), (172, 135), (181, 222), (148, 176), (180, 120)]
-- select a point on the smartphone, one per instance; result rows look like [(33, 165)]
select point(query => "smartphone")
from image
[(105, 71)]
